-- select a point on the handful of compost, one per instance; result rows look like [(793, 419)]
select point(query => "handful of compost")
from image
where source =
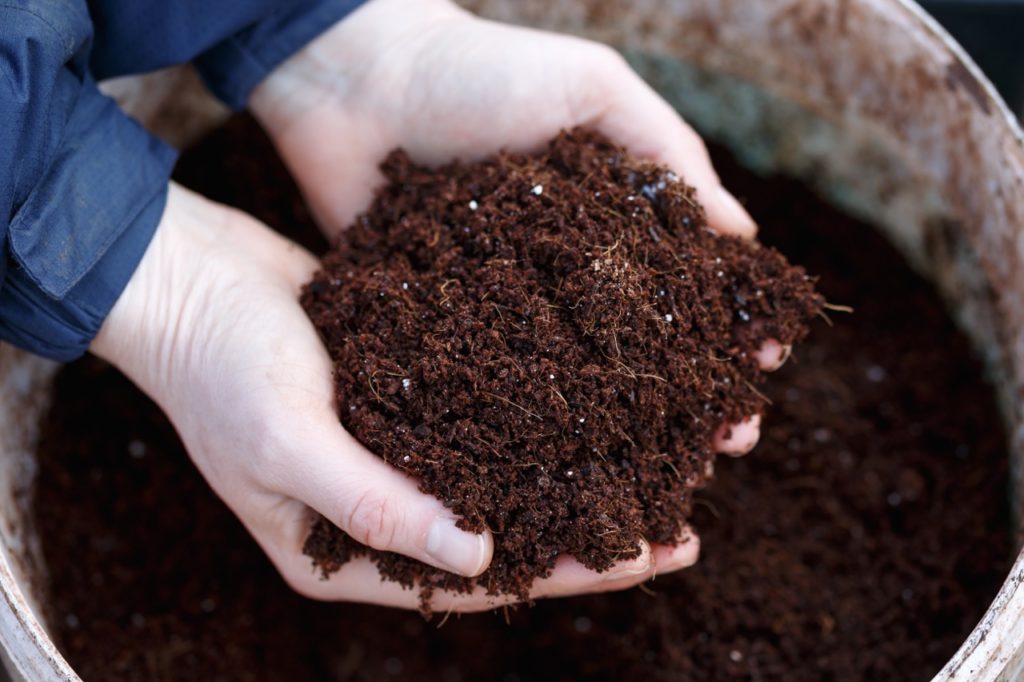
[(552, 345)]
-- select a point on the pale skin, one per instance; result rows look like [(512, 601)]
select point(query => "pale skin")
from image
[(210, 326)]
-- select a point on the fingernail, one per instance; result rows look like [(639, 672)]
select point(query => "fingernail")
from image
[(455, 549), (735, 217)]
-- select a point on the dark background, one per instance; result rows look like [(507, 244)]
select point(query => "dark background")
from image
[(992, 31)]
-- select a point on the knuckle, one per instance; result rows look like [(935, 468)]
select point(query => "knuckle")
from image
[(372, 520), (608, 70), (607, 59), (598, 77)]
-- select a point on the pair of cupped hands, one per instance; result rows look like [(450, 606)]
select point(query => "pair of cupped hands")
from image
[(211, 328)]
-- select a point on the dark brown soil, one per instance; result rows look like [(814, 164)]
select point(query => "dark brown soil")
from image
[(862, 539), (549, 344)]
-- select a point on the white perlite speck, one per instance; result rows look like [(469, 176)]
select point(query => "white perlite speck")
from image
[(669, 318), (406, 383), (538, 189), (473, 205)]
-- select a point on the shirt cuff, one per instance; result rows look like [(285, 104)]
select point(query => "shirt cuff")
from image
[(78, 238), (233, 67), (62, 329)]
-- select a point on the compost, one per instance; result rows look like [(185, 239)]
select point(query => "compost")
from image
[(549, 344), (863, 538)]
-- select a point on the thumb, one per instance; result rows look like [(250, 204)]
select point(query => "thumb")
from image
[(634, 115), (378, 505)]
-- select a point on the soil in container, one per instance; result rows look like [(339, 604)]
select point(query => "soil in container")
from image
[(864, 537)]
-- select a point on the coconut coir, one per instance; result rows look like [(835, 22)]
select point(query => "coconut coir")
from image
[(862, 539), (548, 343)]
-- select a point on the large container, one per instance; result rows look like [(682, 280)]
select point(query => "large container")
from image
[(867, 100)]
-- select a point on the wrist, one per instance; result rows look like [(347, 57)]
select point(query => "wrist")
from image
[(149, 319), (197, 281)]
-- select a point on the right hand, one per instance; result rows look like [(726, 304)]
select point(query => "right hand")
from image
[(211, 328)]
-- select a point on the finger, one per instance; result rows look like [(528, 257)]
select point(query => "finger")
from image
[(670, 558), (772, 355), (635, 116), (359, 581), (568, 578), (739, 439), (293, 262), (280, 255), (379, 506)]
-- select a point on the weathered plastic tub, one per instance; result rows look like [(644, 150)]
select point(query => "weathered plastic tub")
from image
[(868, 100)]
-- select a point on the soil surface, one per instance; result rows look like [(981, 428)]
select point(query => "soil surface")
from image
[(862, 539), (549, 345)]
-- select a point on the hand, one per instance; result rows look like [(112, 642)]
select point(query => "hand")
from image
[(441, 83), (210, 327), (431, 78)]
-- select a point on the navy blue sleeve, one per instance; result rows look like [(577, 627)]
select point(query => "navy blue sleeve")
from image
[(234, 43), (83, 186)]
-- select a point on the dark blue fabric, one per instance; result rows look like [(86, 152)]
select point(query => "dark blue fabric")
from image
[(234, 44), (235, 66), (82, 186)]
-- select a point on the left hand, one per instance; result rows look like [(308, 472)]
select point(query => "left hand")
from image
[(441, 83)]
